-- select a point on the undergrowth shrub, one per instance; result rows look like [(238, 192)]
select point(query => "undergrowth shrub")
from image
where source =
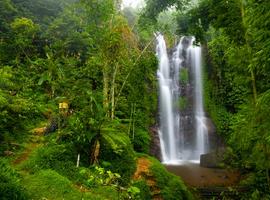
[(145, 192), (60, 158), (259, 188), (141, 141), (98, 176), (10, 185), (117, 150)]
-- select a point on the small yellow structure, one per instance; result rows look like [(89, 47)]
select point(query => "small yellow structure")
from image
[(63, 105)]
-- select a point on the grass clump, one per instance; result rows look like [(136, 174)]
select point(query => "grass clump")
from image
[(51, 185)]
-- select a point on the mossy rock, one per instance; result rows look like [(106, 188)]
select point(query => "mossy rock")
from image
[(162, 184), (183, 103), (183, 76)]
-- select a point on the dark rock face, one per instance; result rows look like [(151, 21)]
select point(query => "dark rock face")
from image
[(209, 160), (213, 159), (216, 143), (155, 143), (187, 117)]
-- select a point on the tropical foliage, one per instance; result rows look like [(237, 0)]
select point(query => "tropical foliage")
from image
[(77, 99), (78, 92), (235, 34)]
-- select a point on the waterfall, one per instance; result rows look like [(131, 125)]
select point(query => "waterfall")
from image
[(182, 131), (201, 128), (166, 131)]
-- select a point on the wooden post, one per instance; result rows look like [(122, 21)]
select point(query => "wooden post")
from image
[(78, 161)]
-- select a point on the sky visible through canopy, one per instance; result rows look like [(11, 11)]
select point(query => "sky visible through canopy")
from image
[(132, 3)]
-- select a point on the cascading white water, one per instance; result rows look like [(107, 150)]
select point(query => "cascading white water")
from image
[(177, 64), (201, 128), (167, 133), (175, 146)]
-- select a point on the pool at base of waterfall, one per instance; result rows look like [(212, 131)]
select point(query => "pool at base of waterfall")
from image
[(196, 176)]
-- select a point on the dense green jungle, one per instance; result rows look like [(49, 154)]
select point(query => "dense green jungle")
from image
[(79, 96)]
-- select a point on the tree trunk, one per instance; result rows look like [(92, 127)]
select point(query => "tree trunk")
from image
[(113, 92), (133, 122), (95, 152), (254, 89), (105, 88), (130, 119)]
